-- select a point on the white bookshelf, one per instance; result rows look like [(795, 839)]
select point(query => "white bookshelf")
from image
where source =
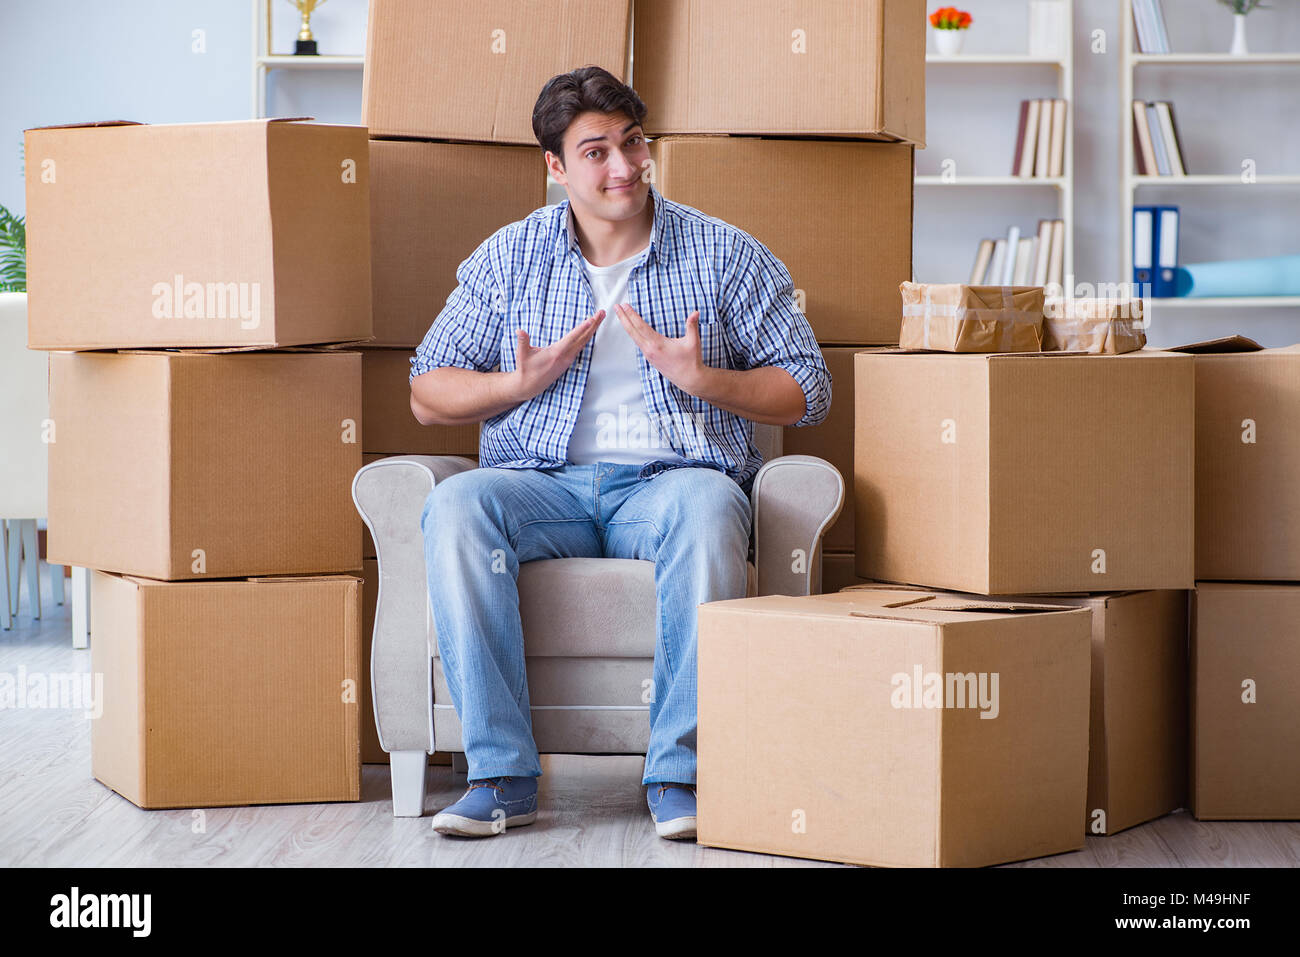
[(1226, 59), (1057, 182), (1130, 182), (961, 66), (995, 59), (264, 61)]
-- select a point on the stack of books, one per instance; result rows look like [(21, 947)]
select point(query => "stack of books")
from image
[(1040, 139), (1157, 150), (1015, 261)]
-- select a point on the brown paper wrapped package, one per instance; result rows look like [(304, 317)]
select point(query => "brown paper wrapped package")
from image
[(954, 317), (1103, 326)]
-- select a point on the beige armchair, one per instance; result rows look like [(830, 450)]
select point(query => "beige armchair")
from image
[(586, 692)]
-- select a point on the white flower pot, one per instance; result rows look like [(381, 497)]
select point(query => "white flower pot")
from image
[(948, 42), (1239, 35)]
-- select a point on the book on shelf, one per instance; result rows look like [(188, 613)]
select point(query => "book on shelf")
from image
[(1009, 263), (983, 257), (1024, 261), (1157, 141), (1015, 260), (1044, 252), (1166, 250), (1056, 259), (1043, 142), (1056, 151), (1169, 133), (1155, 249), (1040, 139), (1149, 22), (994, 275), (1023, 161), (1143, 230), (1157, 148)]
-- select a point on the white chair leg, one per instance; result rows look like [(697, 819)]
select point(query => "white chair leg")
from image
[(408, 770), (459, 763), (31, 561), (14, 555), (80, 607), (7, 618), (56, 582)]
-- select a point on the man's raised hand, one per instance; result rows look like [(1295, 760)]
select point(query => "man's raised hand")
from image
[(536, 369), (679, 359)]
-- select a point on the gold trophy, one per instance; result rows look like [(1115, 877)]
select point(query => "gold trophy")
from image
[(306, 45)]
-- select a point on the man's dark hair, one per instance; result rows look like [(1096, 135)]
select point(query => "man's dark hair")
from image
[(588, 88)]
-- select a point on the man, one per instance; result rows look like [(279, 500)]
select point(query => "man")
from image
[(637, 341)]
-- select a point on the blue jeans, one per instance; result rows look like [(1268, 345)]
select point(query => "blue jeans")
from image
[(692, 522)]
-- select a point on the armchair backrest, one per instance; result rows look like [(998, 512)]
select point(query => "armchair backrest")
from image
[(768, 440)]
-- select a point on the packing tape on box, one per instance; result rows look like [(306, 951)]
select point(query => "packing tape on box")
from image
[(1006, 318)]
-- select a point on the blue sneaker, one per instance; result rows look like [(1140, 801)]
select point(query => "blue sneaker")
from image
[(489, 807), (672, 808)]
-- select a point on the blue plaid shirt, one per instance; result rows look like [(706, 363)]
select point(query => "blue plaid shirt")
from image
[(529, 275)]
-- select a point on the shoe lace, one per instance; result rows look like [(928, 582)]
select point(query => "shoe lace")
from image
[(488, 783)]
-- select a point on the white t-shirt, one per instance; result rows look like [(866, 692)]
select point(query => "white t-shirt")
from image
[(613, 423)]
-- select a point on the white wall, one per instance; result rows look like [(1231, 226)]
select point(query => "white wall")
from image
[(70, 60)]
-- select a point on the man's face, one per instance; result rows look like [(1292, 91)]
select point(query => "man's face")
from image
[(604, 157)]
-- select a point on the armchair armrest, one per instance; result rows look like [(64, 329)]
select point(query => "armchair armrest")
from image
[(390, 495), (795, 499)]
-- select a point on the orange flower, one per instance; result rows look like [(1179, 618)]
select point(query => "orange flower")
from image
[(950, 18)]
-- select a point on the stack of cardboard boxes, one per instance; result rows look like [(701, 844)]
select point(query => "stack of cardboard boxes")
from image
[(982, 479), (1245, 637), (798, 124), (1047, 474), (202, 447), (946, 718)]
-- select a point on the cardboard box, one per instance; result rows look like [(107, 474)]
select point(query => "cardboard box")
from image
[(838, 572), (1105, 326), (246, 234), (1137, 751), (832, 441), (227, 692), (1247, 461), (865, 750), (422, 226), (1245, 687), (955, 317), (1137, 757), (372, 752), (792, 197), (199, 465), (1036, 473), (768, 66), (472, 69), (389, 424)]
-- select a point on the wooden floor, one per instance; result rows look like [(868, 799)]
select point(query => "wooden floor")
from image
[(53, 813)]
